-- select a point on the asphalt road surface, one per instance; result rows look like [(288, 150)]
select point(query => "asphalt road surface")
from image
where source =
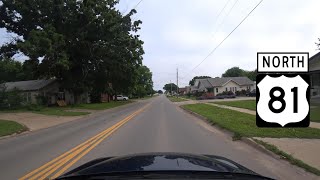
[(154, 125)]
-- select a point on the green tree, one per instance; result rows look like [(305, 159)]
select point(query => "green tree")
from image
[(11, 70), (160, 91), (237, 72), (170, 86), (84, 44), (144, 83), (233, 72), (191, 82)]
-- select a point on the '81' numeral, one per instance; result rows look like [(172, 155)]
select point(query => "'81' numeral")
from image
[(281, 100)]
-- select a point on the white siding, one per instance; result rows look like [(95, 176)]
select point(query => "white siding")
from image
[(232, 86)]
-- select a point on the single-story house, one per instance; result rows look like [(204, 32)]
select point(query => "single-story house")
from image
[(218, 85), (182, 91), (49, 88), (314, 70)]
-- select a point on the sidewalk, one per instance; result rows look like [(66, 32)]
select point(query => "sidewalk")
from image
[(248, 111), (306, 150)]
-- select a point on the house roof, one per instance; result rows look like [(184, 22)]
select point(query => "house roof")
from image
[(205, 83), (315, 57), (28, 85), (215, 82)]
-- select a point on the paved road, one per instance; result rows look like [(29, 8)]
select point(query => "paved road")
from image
[(154, 125)]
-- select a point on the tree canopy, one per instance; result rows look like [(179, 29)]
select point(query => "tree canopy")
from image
[(84, 44), (191, 82), (237, 72), (170, 86)]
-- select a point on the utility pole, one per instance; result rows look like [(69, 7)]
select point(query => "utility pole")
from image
[(177, 81)]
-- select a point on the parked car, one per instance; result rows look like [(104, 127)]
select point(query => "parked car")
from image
[(122, 98), (252, 93)]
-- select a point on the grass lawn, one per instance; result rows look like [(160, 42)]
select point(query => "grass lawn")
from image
[(246, 104), (191, 97), (315, 113), (244, 125), (10, 127), (102, 106), (176, 99)]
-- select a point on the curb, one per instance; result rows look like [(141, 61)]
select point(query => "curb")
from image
[(248, 141)]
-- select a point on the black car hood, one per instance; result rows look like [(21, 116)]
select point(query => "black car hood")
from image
[(159, 162)]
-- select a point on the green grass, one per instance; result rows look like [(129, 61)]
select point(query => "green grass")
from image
[(101, 106), (246, 104), (288, 157), (191, 97), (176, 99), (10, 127), (244, 125), (315, 114)]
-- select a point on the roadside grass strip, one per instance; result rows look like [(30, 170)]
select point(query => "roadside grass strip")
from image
[(244, 125)]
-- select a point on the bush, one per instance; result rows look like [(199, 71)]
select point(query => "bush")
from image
[(241, 93), (10, 99), (42, 100), (33, 107)]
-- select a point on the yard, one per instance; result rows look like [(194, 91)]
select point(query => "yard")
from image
[(251, 105), (244, 125), (246, 104), (10, 127), (175, 99), (67, 111), (191, 97)]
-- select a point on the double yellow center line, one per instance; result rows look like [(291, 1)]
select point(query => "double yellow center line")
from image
[(59, 165)]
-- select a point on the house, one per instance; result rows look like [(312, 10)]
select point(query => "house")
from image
[(218, 85), (49, 88), (314, 70), (188, 89), (182, 91)]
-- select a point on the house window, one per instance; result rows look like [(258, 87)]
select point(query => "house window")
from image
[(235, 88), (226, 89), (217, 90)]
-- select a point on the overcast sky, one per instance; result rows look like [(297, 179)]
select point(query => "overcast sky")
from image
[(181, 33)]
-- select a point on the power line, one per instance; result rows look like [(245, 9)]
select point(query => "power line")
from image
[(227, 36), (216, 20), (215, 32), (137, 4)]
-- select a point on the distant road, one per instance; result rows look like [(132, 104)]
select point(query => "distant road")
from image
[(154, 125)]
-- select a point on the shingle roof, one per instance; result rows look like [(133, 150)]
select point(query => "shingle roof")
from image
[(205, 83), (314, 57), (221, 81), (28, 85)]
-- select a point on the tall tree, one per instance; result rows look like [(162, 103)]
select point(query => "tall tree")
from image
[(237, 72), (233, 72), (11, 70), (84, 44), (191, 82), (170, 86), (144, 83)]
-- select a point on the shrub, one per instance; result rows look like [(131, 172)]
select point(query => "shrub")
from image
[(42, 100), (10, 99)]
